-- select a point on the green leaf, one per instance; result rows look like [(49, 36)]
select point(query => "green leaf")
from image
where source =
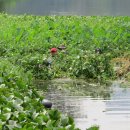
[(2, 86), (13, 124), (5, 117), (54, 114), (39, 120), (93, 128), (1, 80), (49, 124), (64, 120)]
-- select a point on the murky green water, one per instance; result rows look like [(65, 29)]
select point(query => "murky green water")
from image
[(66, 7), (90, 104)]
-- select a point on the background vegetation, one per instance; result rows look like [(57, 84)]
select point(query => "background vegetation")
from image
[(26, 41)]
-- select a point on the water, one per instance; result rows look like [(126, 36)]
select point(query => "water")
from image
[(66, 7), (108, 107)]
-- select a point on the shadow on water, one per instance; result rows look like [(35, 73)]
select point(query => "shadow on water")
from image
[(91, 104), (66, 7)]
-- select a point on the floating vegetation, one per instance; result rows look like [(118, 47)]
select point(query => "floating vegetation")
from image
[(27, 40)]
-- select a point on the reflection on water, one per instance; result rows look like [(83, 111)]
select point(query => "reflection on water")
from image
[(66, 7), (111, 113)]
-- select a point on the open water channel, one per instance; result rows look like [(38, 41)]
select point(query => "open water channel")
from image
[(90, 104), (66, 7)]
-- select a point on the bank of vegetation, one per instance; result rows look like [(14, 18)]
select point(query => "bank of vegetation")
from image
[(95, 49)]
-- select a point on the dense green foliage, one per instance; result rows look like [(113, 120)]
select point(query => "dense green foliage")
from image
[(20, 103), (26, 40)]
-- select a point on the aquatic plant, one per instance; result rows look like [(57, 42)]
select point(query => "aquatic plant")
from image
[(21, 106), (26, 40), (93, 128)]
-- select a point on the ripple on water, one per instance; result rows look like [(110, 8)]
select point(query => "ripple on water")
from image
[(110, 114)]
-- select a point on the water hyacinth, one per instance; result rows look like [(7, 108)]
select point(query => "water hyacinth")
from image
[(31, 38), (21, 108)]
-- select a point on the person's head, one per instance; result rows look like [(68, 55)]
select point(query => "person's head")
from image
[(98, 51), (53, 51)]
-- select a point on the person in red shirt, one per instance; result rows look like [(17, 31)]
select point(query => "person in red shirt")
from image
[(47, 62), (53, 54)]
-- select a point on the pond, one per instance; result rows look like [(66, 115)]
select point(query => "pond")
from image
[(90, 104), (66, 7)]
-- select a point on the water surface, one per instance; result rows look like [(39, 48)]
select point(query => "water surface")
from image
[(90, 104), (66, 7)]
